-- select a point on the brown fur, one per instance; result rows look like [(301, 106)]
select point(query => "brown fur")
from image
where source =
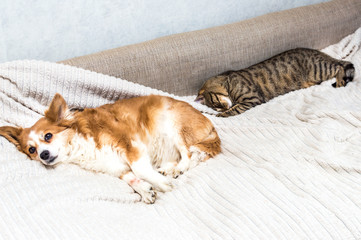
[(136, 139), (118, 123)]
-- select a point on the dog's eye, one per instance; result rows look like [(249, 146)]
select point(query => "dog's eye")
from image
[(32, 150), (48, 136)]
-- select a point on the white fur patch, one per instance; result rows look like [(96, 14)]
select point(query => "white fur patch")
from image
[(162, 147), (33, 139), (83, 152), (229, 102)]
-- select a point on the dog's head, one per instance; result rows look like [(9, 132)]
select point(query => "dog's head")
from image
[(46, 139)]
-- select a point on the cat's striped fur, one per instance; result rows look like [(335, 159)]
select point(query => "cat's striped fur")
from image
[(234, 92)]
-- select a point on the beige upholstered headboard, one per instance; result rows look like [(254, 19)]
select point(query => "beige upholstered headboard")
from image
[(180, 63)]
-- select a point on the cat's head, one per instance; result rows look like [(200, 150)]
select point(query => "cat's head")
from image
[(214, 94)]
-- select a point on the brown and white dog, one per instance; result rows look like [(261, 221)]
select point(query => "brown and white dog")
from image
[(138, 140)]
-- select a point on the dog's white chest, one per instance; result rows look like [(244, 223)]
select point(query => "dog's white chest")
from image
[(84, 152)]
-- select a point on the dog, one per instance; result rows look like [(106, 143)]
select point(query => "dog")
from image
[(141, 140)]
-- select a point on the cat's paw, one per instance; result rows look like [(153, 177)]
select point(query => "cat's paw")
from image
[(222, 114)]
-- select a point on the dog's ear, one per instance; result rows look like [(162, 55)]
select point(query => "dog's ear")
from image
[(12, 134), (57, 109)]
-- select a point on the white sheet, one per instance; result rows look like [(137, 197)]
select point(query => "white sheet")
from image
[(290, 168)]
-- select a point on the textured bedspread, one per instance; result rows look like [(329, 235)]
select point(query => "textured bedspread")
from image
[(290, 168)]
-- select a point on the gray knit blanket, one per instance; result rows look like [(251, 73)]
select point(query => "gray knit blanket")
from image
[(289, 169)]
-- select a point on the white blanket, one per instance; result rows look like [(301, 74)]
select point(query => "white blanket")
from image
[(290, 168)]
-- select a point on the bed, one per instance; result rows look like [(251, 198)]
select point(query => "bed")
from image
[(289, 169)]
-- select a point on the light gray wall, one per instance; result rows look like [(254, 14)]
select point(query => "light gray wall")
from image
[(55, 30)]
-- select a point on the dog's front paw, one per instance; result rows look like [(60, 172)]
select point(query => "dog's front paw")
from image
[(147, 193), (163, 186)]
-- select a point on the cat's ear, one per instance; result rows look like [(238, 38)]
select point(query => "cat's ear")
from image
[(199, 99)]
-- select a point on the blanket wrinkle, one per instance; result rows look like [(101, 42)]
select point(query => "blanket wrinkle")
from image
[(289, 168)]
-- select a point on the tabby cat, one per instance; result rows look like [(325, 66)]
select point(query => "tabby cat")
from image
[(234, 92)]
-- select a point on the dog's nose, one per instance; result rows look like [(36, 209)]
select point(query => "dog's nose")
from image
[(45, 155)]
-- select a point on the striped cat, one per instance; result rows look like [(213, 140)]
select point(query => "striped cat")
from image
[(234, 92)]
